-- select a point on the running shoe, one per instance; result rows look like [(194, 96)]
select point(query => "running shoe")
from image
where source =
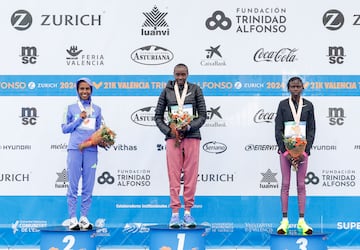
[(84, 223), (174, 221), (304, 228), (284, 226), (189, 221), (74, 224)]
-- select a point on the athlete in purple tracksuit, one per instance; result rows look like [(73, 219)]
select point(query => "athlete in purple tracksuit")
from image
[(82, 119)]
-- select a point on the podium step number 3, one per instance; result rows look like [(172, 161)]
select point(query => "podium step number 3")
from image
[(298, 242)]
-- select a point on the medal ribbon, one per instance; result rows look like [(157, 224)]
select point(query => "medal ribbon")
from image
[(180, 100), (81, 106), (295, 114)]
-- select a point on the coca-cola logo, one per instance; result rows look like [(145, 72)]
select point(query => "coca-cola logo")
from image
[(282, 55), (262, 116)]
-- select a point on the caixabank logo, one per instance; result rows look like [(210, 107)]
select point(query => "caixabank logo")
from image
[(213, 57)]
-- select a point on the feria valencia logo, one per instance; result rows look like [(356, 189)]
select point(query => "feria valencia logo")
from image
[(152, 55), (214, 147)]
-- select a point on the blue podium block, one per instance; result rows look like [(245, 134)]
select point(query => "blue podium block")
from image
[(297, 241), (165, 238), (62, 238)]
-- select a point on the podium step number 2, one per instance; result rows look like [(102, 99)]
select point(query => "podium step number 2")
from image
[(62, 238)]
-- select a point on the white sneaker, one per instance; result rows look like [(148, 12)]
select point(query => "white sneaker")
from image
[(74, 224), (84, 223)]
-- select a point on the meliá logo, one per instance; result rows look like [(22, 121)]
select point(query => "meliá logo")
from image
[(144, 116), (214, 147), (152, 55)]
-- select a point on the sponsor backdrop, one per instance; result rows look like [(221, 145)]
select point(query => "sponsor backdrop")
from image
[(241, 53)]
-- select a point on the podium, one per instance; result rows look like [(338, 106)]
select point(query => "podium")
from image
[(297, 241), (164, 237), (61, 237)]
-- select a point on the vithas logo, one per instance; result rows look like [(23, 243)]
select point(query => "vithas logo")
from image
[(336, 116), (28, 55), (29, 116)]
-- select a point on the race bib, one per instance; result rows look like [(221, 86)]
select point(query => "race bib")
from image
[(186, 108), (295, 130)]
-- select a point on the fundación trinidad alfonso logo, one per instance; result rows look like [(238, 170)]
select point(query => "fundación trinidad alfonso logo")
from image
[(218, 20)]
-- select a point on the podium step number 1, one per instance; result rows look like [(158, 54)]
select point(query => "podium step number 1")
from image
[(165, 238)]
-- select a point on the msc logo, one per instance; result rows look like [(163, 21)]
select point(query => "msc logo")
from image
[(21, 20), (336, 55), (28, 116), (336, 116), (28, 55)]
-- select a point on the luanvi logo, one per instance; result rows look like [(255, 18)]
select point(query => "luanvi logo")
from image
[(155, 23), (269, 180), (21, 20), (62, 180), (333, 19)]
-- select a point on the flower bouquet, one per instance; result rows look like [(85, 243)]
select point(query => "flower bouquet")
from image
[(179, 120), (104, 137), (295, 146)]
